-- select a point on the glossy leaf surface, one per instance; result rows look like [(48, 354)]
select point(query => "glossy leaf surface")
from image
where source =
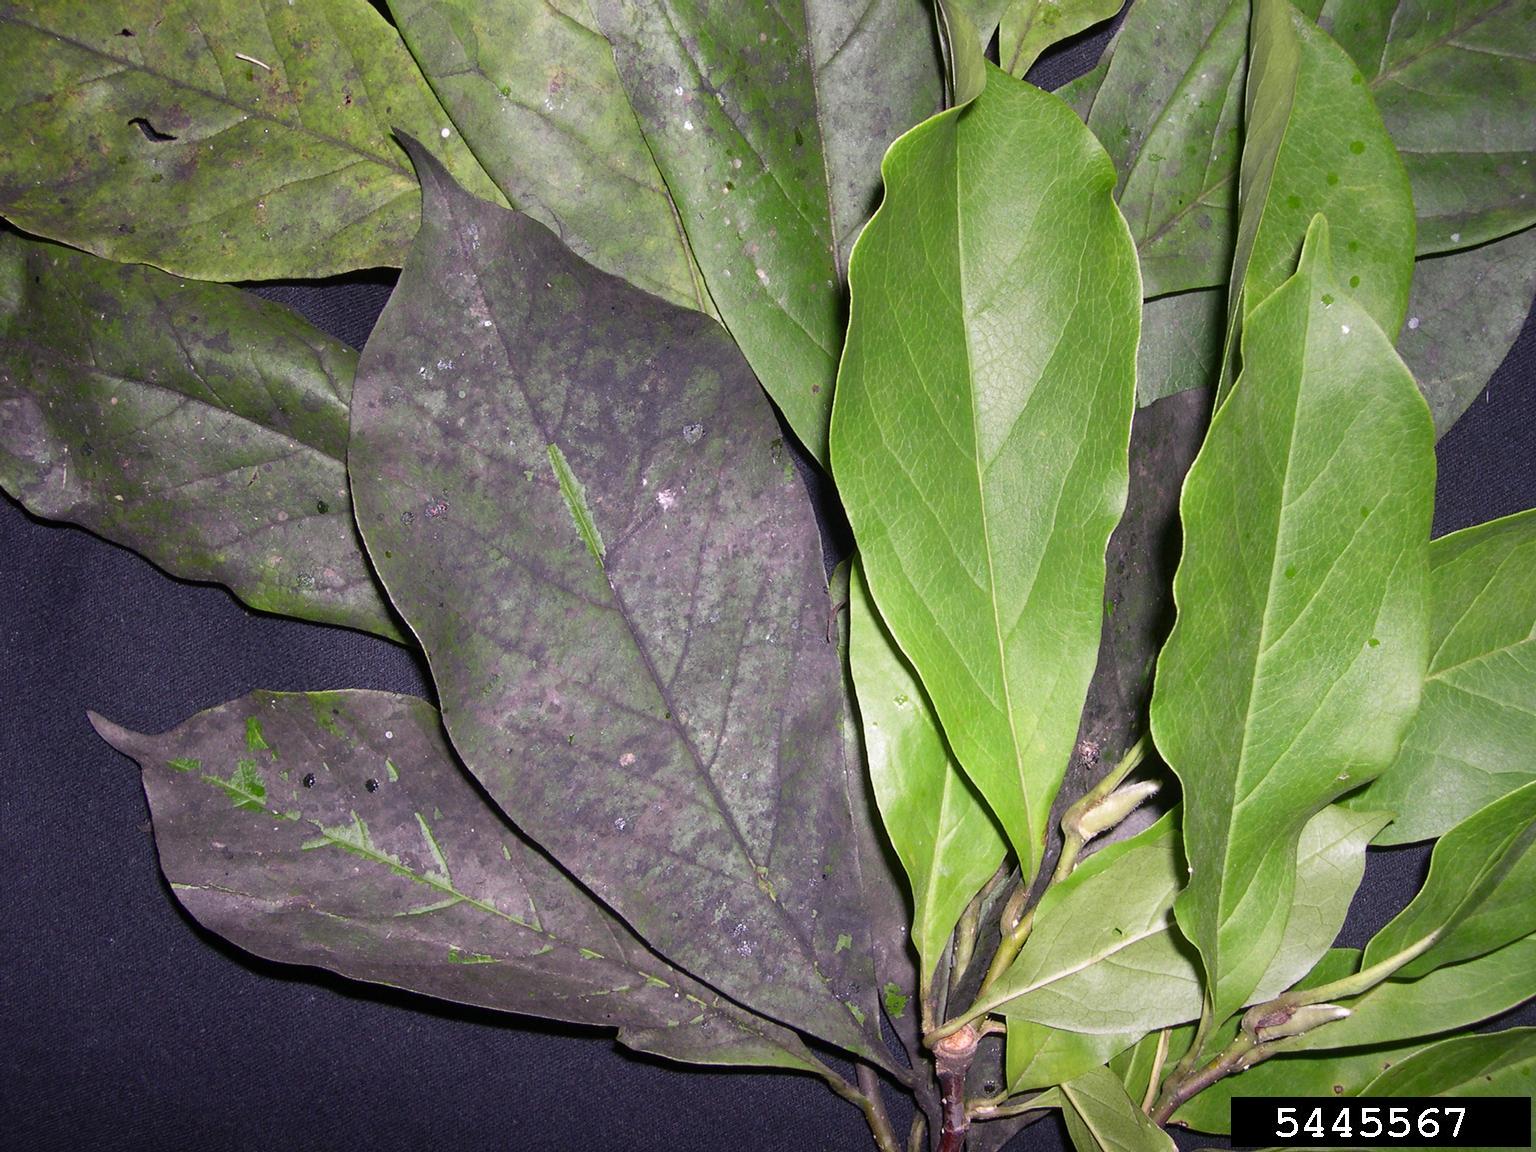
[(1039, 1056), (768, 125), (223, 141), (336, 829), (1100, 1117), (981, 427), (1295, 662), (1456, 85), (580, 502), (1104, 955), (1494, 1064), (533, 88), (946, 839), (194, 423), (1470, 742), (1477, 896), (1446, 1000)]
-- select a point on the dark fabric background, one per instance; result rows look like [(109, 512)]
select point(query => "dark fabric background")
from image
[(125, 1026)]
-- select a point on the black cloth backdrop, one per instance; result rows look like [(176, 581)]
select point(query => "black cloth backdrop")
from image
[(125, 1026)]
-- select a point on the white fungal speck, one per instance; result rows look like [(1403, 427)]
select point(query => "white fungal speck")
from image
[(678, 91), (763, 276), (388, 735), (626, 760), (1455, 237), (1413, 323), (667, 498), (445, 133), (1344, 328), (736, 163)]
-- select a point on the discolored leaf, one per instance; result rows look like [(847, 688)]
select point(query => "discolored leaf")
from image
[(1448, 999), (194, 423), (1456, 85), (1100, 1117), (1496, 1064), (768, 124), (345, 836), (579, 501), (1470, 741), (1104, 955), (1296, 659), (1314, 144), (223, 141), (1180, 344), (1477, 896), (533, 88), (1029, 27), (946, 839), (980, 433)]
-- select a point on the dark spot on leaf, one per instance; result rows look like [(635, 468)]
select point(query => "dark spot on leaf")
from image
[(1333, 178), (693, 433), (1327, 297), (1338, 1089), (989, 1087), (799, 139), (322, 507), (407, 517), (150, 131), (126, 32), (371, 785), (309, 779), (1354, 281), (1357, 146), (86, 449), (436, 509), (1373, 642)]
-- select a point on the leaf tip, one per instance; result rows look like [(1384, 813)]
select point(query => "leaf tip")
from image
[(116, 735)]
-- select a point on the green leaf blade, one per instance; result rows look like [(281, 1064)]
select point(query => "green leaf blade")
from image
[(413, 882), (1028, 27), (1296, 660), (1100, 1117), (194, 423), (675, 715), (228, 169), (991, 422), (1493, 1064)]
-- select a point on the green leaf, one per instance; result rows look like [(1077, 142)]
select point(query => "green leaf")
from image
[(1039, 1056), (194, 423), (1104, 955), (1470, 742), (1180, 344), (981, 428), (768, 124), (224, 141), (533, 88), (1296, 660), (1477, 896), (1446, 1000), (1314, 144), (682, 696), (1341, 1073), (413, 881), (946, 839), (1029, 27), (1100, 1117), (1493, 1064), (1330, 863), (1456, 86), (1465, 313)]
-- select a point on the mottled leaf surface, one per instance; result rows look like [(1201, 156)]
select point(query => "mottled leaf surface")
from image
[(1029, 27), (1448, 999), (1477, 896), (336, 829), (981, 427), (947, 840), (1100, 1117), (226, 141), (580, 502), (533, 88), (192, 422), (768, 124), (1456, 85), (1297, 656), (1471, 740)]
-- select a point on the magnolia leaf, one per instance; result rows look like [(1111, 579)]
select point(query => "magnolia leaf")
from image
[(1493, 1064), (768, 124), (1477, 896), (1104, 955), (1448, 999), (1029, 27), (1295, 662), (1039, 1056), (980, 432), (533, 88), (1100, 1117), (194, 423), (1343, 1073), (1330, 863), (1470, 742), (579, 501), (964, 58), (224, 141), (1180, 344), (1456, 86), (946, 839), (335, 829), (1313, 145)]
